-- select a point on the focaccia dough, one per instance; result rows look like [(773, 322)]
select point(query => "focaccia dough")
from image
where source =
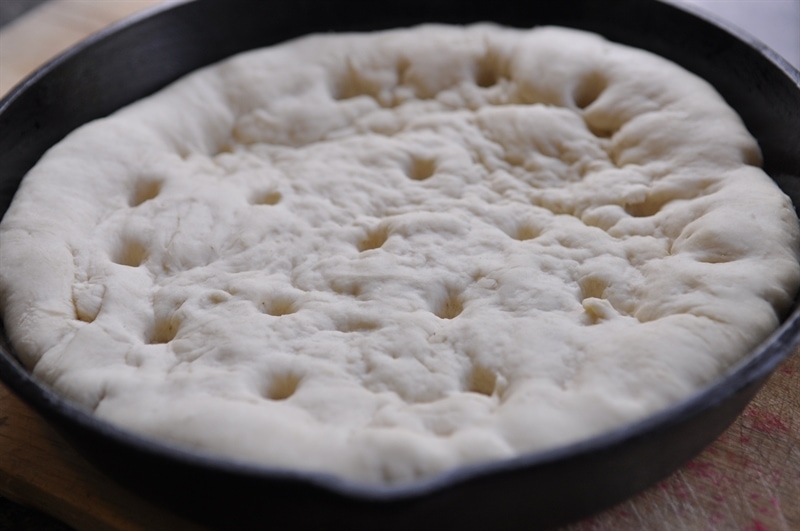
[(383, 256)]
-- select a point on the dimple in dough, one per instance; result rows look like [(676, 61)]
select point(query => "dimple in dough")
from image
[(383, 256)]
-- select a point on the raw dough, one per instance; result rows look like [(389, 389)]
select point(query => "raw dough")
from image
[(383, 256)]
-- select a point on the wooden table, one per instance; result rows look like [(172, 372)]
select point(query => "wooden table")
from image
[(747, 480)]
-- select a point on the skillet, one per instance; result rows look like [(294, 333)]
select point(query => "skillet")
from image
[(140, 55)]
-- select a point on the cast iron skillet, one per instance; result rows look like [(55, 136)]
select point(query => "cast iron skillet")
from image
[(141, 55)]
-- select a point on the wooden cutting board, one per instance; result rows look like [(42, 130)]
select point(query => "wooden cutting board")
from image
[(747, 480)]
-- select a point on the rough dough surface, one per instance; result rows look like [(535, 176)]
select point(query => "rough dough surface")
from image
[(383, 256)]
